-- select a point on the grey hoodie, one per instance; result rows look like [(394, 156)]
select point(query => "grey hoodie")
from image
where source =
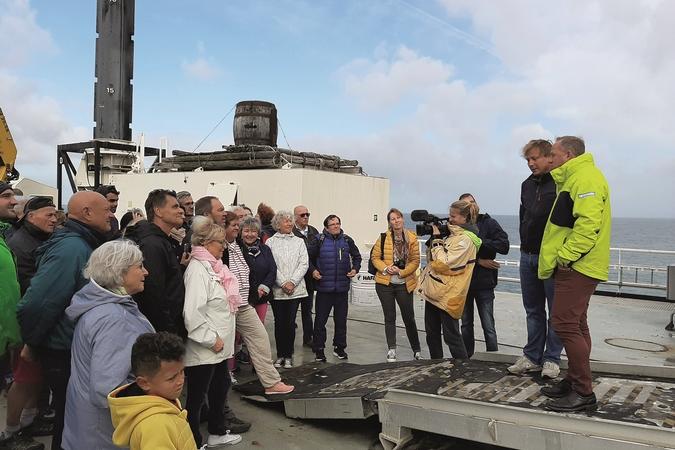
[(107, 326)]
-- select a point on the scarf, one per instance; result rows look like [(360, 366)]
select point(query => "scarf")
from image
[(227, 279), (253, 249)]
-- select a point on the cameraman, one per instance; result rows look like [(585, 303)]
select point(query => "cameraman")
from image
[(462, 222), (396, 279)]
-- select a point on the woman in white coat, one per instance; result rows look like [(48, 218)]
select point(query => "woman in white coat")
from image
[(290, 256), (209, 314)]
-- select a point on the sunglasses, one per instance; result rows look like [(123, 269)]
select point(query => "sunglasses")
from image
[(304, 215)]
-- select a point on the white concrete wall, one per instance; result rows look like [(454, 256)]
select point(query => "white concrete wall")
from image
[(361, 202)]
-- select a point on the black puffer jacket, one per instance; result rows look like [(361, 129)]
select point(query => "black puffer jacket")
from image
[(495, 240), (312, 234), (537, 195), (24, 242), (164, 295)]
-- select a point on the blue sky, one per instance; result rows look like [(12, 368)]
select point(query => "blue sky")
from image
[(438, 96)]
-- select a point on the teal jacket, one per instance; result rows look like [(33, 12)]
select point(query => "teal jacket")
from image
[(579, 226), (9, 296), (60, 261)]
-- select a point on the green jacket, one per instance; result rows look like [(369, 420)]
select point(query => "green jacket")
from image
[(9, 296), (578, 229)]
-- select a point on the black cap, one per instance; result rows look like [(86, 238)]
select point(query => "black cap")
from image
[(106, 189), (36, 203), (4, 186)]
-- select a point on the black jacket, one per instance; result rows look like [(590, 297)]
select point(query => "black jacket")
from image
[(312, 235), (263, 271), (495, 240), (164, 295), (537, 195), (23, 243)]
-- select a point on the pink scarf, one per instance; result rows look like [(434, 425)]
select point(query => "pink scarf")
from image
[(227, 278)]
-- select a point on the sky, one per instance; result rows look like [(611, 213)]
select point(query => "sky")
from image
[(439, 96)]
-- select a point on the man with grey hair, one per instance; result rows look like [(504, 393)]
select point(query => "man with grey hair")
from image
[(46, 331), (306, 232), (185, 201), (575, 252), (537, 194)]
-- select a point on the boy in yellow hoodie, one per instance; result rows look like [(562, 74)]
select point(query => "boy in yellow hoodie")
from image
[(146, 414)]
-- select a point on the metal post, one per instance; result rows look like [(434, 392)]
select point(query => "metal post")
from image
[(670, 284), (59, 179)]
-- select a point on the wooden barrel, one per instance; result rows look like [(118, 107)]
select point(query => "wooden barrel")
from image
[(255, 122)]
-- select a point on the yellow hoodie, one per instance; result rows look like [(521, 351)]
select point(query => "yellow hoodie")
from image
[(148, 422)]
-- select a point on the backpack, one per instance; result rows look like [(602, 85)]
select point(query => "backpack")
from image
[(371, 267)]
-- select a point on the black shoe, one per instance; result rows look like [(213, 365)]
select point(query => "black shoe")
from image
[(340, 353), (558, 390), (573, 402), (243, 357), (237, 426), (320, 356), (307, 342), (39, 427), (18, 441)]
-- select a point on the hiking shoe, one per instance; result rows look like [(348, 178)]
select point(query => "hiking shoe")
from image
[(558, 390), (279, 362), (320, 356), (340, 353), (218, 440), (17, 441), (288, 363), (391, 355), (279, 389), (523, 365), (237, 426), (417, 356), (550, 370)]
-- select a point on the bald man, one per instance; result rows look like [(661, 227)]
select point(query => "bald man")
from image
[(45, 329)]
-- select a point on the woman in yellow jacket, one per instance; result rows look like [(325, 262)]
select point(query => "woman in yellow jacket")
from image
[(396, 280)]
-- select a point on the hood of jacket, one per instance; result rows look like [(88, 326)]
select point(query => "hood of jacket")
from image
[(144, 229), (91, 296), (128, 412), (72, 228)]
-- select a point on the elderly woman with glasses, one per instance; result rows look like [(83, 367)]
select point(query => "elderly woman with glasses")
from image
[(290, 255), (263, 270), (211, 297), (107, 324)]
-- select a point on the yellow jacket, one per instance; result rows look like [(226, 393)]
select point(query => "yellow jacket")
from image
[(148, 422), (409, 273)]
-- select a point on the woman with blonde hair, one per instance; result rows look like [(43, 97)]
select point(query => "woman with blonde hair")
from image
[(396, 260)]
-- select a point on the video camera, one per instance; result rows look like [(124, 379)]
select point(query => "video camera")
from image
[(424, 228)]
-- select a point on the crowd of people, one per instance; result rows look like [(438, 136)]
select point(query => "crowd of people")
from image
[(103, 321)]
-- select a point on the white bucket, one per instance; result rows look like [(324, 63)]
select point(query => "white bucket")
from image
[(363, 290)]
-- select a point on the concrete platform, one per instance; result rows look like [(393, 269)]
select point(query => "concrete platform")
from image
[(623, 330)]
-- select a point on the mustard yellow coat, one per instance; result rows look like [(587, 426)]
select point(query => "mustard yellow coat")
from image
[(413, 263)]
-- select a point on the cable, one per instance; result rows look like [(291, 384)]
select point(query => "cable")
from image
[(214, 128)]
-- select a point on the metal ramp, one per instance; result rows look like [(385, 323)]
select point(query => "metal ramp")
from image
[(480, 401)]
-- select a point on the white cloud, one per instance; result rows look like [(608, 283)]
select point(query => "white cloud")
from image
[(202, 68), (596, 69), (20, 34)]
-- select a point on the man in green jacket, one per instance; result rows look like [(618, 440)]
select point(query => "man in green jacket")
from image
[(575, 252), (9, 283)]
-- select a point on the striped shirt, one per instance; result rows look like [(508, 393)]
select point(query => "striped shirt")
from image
[(240, 270)]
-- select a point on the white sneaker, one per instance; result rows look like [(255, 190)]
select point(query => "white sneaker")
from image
[(523, 365), (233, 379), (288, 363), (218, 440), (391, 355), (279, 362), (550, 370), (417, 356)]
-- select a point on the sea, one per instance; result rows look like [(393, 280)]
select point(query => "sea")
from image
[(627, 233)]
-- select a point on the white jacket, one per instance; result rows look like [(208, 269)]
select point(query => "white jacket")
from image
[(207, 315), (290, 255)]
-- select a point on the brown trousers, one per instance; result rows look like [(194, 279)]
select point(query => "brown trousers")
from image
[(572, 294)]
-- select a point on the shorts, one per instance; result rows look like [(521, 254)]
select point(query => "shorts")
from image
[(26, 372)]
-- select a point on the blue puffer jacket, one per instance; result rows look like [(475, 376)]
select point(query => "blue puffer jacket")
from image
[(334, 257)]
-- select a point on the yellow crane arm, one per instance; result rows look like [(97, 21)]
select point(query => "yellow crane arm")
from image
[(7, 152)]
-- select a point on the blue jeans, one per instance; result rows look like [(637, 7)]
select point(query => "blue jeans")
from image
[(485, 300), (542, 342)]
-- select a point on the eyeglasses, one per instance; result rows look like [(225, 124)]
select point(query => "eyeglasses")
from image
[(304, 214), (223, 242)]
